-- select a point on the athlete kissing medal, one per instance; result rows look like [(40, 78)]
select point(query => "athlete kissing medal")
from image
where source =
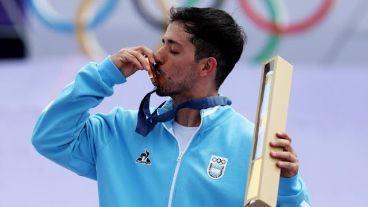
[(146, 120), (153, 72)]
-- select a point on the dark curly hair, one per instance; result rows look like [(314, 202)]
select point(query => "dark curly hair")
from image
[(214, 33)]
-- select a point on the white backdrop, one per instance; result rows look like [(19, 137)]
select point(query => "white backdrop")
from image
[(339, 38)]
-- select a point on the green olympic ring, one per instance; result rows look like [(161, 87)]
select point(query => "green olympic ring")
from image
[(273, 40), (278, 29)]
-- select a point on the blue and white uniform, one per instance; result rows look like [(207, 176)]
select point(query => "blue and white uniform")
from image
[(132, 170)]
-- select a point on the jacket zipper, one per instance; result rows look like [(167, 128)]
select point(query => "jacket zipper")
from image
[(178, 161)]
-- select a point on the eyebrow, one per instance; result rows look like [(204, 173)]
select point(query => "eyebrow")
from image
[(172, 42)]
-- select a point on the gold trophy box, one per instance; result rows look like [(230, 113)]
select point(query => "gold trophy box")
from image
[(264, 175)]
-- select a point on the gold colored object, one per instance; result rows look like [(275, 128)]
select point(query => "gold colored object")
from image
[(152, 72), (264, 175)]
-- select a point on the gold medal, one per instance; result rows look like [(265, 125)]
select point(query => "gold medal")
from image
[(152, 72)]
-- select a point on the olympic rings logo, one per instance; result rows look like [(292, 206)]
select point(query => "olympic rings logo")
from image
[(219, 161), (85, 21)]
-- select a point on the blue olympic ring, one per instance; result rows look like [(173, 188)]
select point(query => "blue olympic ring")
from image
[(157, 22), (69, 26)]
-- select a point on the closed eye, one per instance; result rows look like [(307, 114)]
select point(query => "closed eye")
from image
[(173, 45), (174, 52)]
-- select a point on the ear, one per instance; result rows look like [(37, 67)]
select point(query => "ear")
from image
[(209, 67)]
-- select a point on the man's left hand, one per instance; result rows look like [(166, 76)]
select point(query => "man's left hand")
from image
[(287, 158)]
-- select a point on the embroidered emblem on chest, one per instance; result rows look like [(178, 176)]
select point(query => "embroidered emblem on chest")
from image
[(216, 167), (143, 158)]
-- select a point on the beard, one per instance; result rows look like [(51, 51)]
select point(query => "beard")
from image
[(174, 88), (160, 92), (168, 90)]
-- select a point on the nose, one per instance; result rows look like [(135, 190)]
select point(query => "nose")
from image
[(159, 55)]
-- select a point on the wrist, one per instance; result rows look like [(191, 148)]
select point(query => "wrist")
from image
[(110, 73), (289, 185)]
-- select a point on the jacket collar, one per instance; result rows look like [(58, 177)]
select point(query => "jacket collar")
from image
[(209, 117)]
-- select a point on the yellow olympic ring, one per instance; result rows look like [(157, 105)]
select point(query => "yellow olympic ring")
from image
[(87, 41)]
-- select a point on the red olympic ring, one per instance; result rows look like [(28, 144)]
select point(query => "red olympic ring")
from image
[(291, 28)]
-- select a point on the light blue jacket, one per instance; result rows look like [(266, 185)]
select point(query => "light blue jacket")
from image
[(105, 147)]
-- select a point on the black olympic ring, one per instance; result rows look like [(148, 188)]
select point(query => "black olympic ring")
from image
[(160, 23)]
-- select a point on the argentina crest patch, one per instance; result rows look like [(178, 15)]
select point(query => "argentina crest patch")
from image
[(216, 167)]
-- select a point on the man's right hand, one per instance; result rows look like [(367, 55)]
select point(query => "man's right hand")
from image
[(130, 60)]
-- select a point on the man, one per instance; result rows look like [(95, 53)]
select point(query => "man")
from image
[(197, 156)]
